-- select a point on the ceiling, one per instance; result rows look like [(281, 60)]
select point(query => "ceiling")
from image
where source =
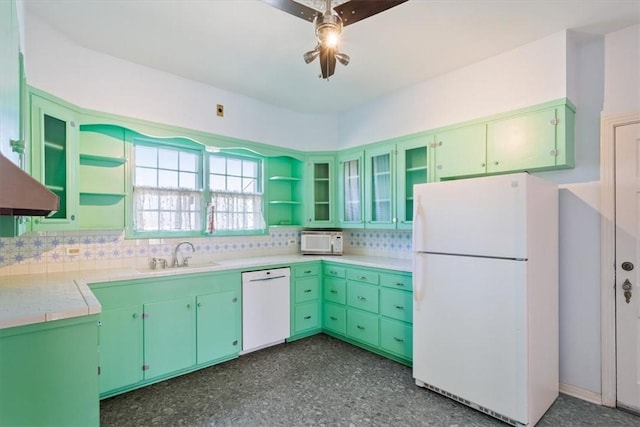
[(248, 47)]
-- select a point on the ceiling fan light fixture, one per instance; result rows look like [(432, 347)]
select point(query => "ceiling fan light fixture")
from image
[(343, 58), (328, 29), (311, 55)]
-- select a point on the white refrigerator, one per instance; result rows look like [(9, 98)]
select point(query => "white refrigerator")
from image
[(485, 271)]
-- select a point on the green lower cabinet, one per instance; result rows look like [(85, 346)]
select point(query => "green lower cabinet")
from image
[(334, 318), (335, 290), (369, 307), (121, 355), (306, 317), (363, 327), (305, 300), (154, 329), (396, 337), (49, 374), (169, 337), (213, 311)]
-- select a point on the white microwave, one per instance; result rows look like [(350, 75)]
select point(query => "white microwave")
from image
[(321, 242)]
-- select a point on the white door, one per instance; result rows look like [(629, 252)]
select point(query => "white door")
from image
[(627, 166)]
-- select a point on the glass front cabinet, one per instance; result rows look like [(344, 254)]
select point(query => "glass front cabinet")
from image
[(54, 160), (413, 168), (320, 192), (351, 190), (380, 181)]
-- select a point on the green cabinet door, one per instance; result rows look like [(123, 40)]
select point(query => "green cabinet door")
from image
[(523, 142), (363, 327), (380, 188), (49, 374), (320, 191), (413, 168), (351, 190), (54, 161), (169, 336), (460, 152), (121, 356), (396, 337), (218, 325)]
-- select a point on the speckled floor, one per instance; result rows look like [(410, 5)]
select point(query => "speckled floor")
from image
[(317, 381)]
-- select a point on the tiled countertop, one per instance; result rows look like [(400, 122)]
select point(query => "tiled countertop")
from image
[(35, 298)]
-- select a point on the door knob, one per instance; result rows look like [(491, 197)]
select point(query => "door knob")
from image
[(626, 287)]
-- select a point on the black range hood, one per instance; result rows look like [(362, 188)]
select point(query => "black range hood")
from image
[(21, 194)]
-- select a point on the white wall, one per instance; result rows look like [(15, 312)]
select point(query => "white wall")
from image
[(104, 83), (531, 74), (622, 71)]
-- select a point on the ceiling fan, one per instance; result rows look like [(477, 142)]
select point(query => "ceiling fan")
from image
[(328, 26)]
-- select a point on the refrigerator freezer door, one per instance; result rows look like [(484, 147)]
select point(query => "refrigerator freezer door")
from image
[(469, 335), (482, 216)]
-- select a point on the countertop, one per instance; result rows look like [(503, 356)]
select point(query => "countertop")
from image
[(36, 298)]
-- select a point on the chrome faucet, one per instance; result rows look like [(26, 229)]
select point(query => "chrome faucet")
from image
[(185, 260)]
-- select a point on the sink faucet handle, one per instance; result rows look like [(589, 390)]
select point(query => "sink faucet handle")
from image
[(185, 262)]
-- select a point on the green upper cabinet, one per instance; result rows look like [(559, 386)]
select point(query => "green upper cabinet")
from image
[(102, 173), (320, 192), (535, 140), (413, 168), (284, 191), (380, 187), (460, 152), (351, 190), (54, 135)]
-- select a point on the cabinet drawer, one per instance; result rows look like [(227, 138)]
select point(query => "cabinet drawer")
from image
[(396, 337), (335, 318), (396, 304), (333, 271), (362, 276), (307, 270), (334, 290), (396, 281), (306, 317), (307, 289), (364, 297), (363, 327)]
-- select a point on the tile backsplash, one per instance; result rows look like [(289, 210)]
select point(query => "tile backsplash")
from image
[(44, 252)]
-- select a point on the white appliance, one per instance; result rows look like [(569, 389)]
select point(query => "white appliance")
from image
[(265, 308), (485, 321), (321, 242)]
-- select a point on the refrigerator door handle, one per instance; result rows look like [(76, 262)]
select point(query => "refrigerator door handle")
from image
[(418, 280)]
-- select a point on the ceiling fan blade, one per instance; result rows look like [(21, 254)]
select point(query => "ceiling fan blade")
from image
[(357, 10), (327, 61), (294, 8)]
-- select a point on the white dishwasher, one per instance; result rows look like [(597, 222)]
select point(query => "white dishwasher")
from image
[(265, 308)]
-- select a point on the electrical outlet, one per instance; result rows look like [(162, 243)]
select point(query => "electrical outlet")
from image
[(220, 110), (292, 242), (73, 251)]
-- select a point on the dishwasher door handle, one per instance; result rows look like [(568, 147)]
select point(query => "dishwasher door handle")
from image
[(267, 278)]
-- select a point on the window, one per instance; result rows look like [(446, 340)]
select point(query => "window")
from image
[(167, 192), (235, 184)]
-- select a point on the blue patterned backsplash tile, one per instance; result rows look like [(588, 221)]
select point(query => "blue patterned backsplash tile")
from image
[(45, 252)]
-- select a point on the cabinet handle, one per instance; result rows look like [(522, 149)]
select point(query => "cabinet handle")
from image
[(496, 163), (72, 217), (306, 291), (482, 165), (188, 306), (235, 299), (333, 318), (399, 284), (333, 291), (333, 272), (398, 339), (135, 315), (307, 317), (307, 271), (362, 277), (199, 304), (399, 307), (361, 298), (360, 327), (235, 342)]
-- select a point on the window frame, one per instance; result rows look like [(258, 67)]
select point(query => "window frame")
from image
[(189, 145)]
